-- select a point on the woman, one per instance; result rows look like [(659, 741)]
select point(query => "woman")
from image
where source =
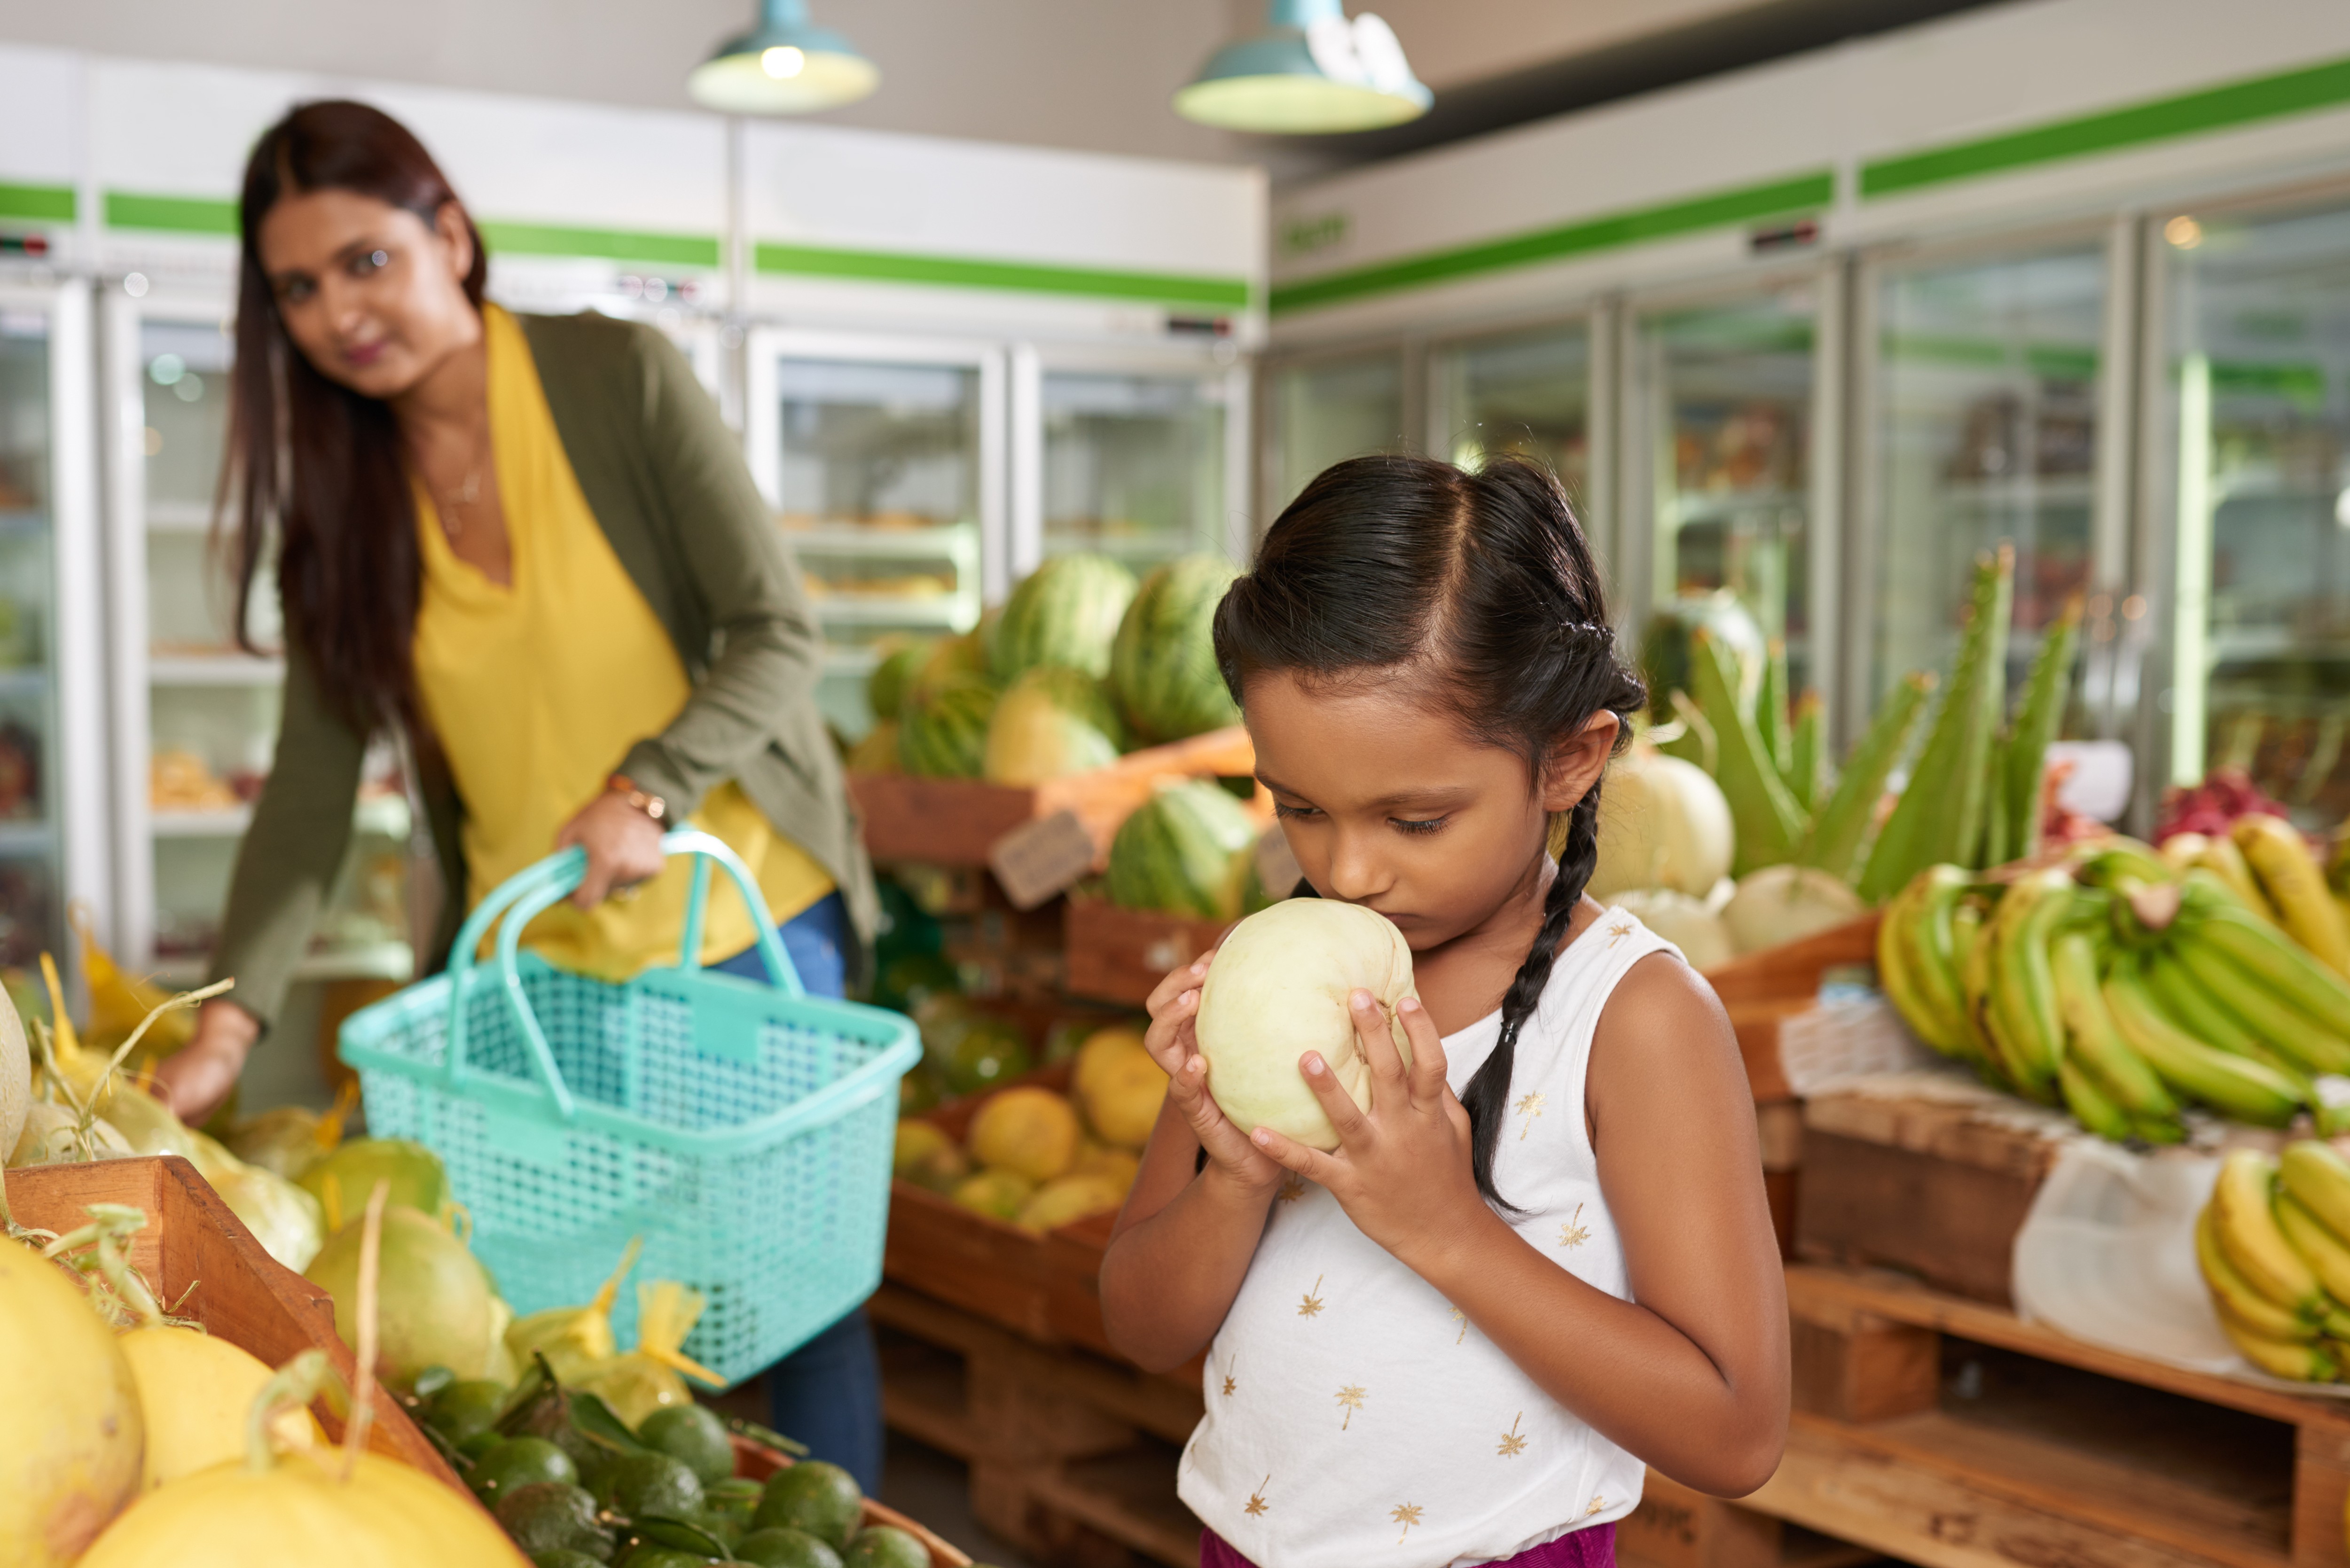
[(527, 548)]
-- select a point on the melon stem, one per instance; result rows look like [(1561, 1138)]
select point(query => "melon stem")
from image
[(355, 1434), (292, 1387)]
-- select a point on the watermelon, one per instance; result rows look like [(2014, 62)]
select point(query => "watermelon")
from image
[(949, 656), (1065, 612), (942, 730), (1050, 723), (901, 658), (877, 752), (1162, 664), (1186, 851)]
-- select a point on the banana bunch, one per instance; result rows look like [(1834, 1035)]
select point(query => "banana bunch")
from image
[(2269, 868), (2119, 989), (2273, 1246)]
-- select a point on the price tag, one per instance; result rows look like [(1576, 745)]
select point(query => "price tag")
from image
[(1038, 859), (1276, 868)]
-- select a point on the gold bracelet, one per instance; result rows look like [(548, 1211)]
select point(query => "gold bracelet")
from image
[(652, 805)]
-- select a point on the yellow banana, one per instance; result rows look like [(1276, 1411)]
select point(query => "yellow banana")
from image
[(2179, 850), (2091, 1106), (2093, 1041), (2279, 1357), (2289, 875), (2220, 857), (1897, 975), (2229, 1287), (2319, 1180), (2245, 1217), (2023, 990), (2327, 1258)]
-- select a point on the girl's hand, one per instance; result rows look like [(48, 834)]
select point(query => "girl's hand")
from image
[(623, 845), (1173, 1042), (1402, 1170)]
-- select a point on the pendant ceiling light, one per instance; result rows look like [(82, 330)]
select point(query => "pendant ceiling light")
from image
[(787, 65), (1310, 72)]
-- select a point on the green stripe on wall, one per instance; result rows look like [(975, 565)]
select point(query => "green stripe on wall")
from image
[(612, 244), (179, 215), (2214, 109), (1781, 198), (44, 203), (951, 271)]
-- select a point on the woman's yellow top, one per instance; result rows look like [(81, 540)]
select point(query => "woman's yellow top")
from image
[(537, 689)]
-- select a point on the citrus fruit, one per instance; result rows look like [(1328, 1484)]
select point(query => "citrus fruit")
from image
[(820, 1499), (781, 1548), (694, 1434), (462, 1408), (884, 1546), (549, 1516), (637, 1484), (517, 1462)]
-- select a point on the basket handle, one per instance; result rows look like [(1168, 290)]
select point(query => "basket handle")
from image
[(522, 896)]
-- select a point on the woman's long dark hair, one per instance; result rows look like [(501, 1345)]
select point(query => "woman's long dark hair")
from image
[(313, 466), (1483, 584)]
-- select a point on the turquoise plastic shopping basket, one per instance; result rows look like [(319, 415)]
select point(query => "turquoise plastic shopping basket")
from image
[(743, 1130)]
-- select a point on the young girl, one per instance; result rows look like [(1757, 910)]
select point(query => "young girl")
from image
[(1542, 1257)]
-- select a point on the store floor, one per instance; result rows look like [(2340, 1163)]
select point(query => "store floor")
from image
[(935, 1489)]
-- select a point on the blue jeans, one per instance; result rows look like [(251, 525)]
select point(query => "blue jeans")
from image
[(827, 1393)]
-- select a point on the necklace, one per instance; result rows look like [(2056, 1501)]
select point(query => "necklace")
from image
[(451, 505)]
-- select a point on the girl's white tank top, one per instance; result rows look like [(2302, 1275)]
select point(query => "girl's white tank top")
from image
[(1354, 1416)]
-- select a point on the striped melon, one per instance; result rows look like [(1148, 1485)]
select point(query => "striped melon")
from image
[(942, 729), (1186, 851), (1162, 665), (877, 753), (1065, 612), (1051, 722), (902, 659)]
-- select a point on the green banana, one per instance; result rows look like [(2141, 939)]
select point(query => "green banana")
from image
[(1978, 985), (2175, 992), (2091, 1039), (2327, 1258), (2104, 861), (1900, 985), (2280, 1358), (1926, 950), (2090, 1105), (2281, 963), (1841, 827), (2024, 992), (2318, 1178), (2228, 1285), (2262, 1010), (2234, 1086), (2244, 1204)]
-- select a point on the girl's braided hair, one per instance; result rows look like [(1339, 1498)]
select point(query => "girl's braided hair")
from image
[(1481, 585)]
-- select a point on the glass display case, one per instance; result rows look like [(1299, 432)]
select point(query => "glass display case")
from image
[(197, 715), (1726, 390), (1133, 462), (2257, 361), (1326, 409), (1527, 393), (1985, 431), (882, 459)]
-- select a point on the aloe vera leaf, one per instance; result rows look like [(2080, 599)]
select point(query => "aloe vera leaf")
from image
[(1998, 846), (2040, 715), (1841, 826), (1943, 822), (1806, 741), (1695, 743), (1761, 809), (1771, 708)]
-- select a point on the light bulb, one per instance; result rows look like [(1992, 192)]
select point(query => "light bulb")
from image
[(782, 62)]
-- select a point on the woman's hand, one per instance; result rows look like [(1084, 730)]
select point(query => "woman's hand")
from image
[(1402, 1170), (194, 1079), (1173, 1041), (623, 845)]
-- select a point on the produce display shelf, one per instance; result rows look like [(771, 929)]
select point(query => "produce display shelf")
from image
[(1954, 1435), (1121, 955), (241, 1293), (957, 822), (755, 1461)]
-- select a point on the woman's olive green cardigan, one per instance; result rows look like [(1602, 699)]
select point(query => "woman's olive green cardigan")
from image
[(667, 483)]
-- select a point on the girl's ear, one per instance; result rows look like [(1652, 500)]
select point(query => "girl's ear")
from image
[(1577, 760)]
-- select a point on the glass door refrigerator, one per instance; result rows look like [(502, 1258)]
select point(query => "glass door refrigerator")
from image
[(53, 828), (885, 460), (1723, 392), (2251, 378), (195, 714), (1135, 458), (1528, 393), (1983, 425), (1326, 409)]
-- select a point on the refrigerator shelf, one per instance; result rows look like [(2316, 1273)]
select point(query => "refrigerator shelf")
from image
[(22, 838), (958, 541), (394, 961), (950, 612), (215, 670), (386, 816), (179, 517)]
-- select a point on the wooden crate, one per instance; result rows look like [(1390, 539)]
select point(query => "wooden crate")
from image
[(1072, 1454), (1935, 1188), (755, 1461), (956, 822), (1121, 955), (1953, 1435), (241, 1293)]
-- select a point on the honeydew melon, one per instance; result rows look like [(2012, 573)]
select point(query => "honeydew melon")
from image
[(1663, 822)]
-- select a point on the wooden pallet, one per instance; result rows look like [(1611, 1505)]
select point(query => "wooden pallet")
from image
[(1936, 1188), (956, 822), (1953, 1435), (240, 1294), (1675, 1527), (1072, 1454)]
